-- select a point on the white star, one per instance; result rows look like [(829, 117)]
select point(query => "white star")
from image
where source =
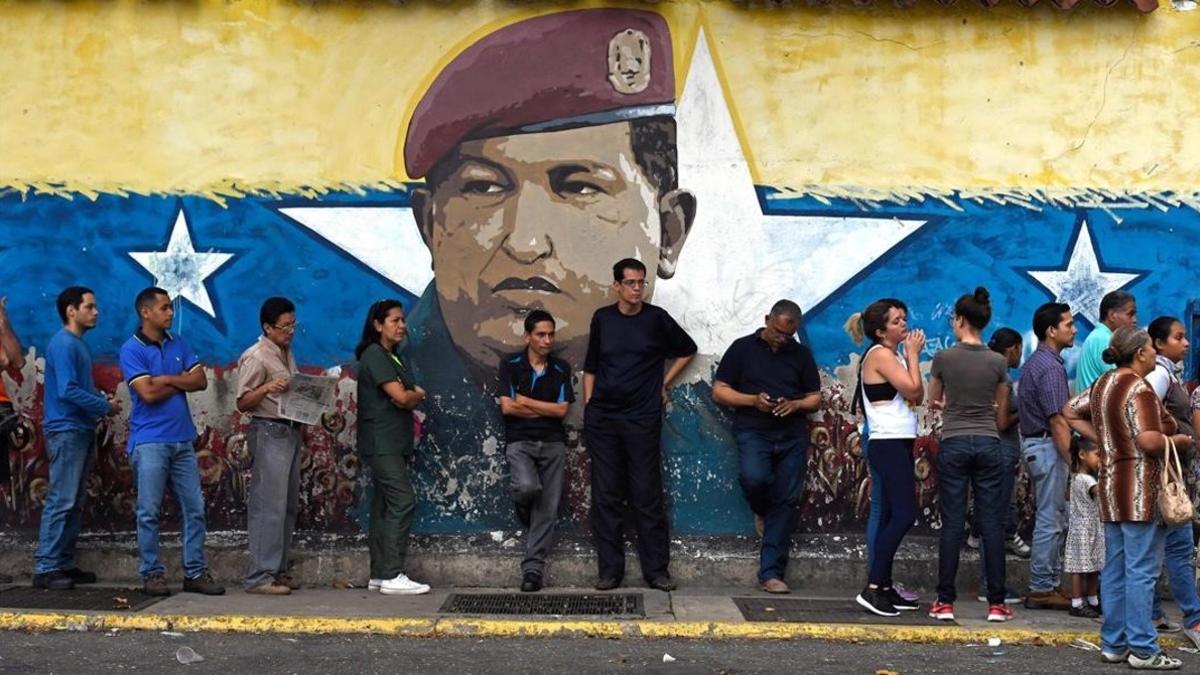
[(738, 261), (180, 270), (1082, 285)]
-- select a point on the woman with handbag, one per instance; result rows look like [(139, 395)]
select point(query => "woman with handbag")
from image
[(1121, 414), (1171, 343)]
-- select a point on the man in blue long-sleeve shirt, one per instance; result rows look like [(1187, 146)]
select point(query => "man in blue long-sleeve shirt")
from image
[(72, 409)]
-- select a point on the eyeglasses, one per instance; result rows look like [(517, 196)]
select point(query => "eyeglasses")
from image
[(288, 327), (633, 283)]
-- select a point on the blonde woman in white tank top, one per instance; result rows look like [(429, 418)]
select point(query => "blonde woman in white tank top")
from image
[(888, 382)]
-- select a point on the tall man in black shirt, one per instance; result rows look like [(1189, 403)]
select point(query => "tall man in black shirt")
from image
[(772, 382), (624, 387), (535, 391)]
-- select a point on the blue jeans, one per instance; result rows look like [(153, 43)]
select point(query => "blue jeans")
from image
[(1177, 554), (70, 454), (1049, 474), (771, 473), (1132, 559), (980, 462), (1012, 455), (155, 466)]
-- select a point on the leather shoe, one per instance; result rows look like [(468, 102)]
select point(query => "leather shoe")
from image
[(81, 577), (53, 581), (531, 582), (290, 581), (775, 586), (607, 583), (662, 584)]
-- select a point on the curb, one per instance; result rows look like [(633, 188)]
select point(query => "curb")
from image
[(507, 628)]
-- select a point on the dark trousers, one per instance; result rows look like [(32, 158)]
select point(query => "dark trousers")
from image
[(536, 469), (392, 508), (771, 473), (626, 461), (981, 463), (891, 458)]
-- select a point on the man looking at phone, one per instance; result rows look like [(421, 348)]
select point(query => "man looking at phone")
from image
[(772, 382)]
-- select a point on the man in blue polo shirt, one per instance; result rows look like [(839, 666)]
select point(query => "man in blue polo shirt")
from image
[(535, 392), (160, 369), (72, 409), (772, 382)]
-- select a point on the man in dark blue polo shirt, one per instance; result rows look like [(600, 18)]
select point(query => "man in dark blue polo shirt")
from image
[(160, 368), (535, 392), (772, 383), (624, 387)]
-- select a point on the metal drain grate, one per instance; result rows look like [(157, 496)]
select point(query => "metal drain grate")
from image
[(93, 599), (802, 610), (526, 604)]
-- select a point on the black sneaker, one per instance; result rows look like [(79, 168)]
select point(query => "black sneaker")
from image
[(81, 577), (662, 584), (898, 600), (203, 584), (1084, 611), (155, 585), (607, 583), (876, 602), (5, 579), (53, 581), (531, 582)]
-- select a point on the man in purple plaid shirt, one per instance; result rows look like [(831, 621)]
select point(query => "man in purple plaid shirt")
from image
[(1046, 441)]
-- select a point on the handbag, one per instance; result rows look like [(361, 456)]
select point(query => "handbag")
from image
[(1173, 501)]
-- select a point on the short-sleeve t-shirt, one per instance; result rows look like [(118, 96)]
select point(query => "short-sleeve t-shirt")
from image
[(749, 366), (383, 427), (627, 355), (552, 385), (970, 374)]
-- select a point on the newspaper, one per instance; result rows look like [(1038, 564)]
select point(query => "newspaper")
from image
[(307, 397)]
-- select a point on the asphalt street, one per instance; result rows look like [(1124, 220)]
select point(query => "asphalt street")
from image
[(122, 652)]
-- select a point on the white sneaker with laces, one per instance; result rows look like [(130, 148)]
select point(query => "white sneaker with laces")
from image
[(1159, 661), (402, 585)]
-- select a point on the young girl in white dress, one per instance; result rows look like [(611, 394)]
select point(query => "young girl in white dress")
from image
[(1085, 534)]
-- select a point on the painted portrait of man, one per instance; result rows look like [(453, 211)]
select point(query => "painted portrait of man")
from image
[(548, 153), (548, 149)]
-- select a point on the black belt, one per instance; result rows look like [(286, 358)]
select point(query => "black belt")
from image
[(277, 420), (1038, 434)]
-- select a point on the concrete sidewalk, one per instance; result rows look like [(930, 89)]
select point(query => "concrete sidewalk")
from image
[(687, 613)]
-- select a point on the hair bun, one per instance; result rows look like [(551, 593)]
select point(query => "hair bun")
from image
[(982, 296), (1110, 356)]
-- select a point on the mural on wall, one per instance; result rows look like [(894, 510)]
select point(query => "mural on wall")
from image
[(551, 147)]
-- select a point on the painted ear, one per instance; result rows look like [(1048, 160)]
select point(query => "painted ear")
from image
[(677, 212), (422, 208)]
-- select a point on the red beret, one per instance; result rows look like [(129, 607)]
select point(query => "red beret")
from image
[(558, 71)]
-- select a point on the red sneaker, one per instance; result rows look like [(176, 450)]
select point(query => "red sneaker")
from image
[(942, 611), (999, 613)]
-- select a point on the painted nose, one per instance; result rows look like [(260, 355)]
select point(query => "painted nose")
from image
[(527, 240)]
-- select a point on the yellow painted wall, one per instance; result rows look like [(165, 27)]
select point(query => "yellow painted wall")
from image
[(214, 96)]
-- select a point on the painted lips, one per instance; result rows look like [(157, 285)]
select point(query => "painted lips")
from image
[(531, 284)]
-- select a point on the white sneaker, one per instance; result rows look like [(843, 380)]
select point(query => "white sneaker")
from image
[(402, 585), (374, 584), (1159, 661)]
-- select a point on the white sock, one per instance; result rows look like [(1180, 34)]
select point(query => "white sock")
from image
[(1093, 600), (1077, 602)]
